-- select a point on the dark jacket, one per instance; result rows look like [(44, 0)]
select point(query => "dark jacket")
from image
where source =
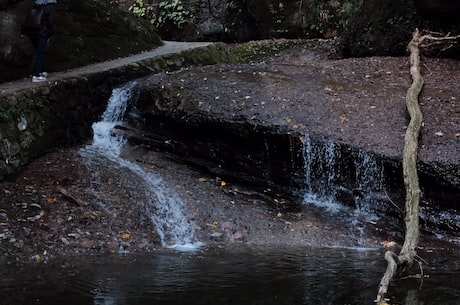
[(46, 28)]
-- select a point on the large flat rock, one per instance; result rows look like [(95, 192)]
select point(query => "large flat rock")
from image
[(355, 102)]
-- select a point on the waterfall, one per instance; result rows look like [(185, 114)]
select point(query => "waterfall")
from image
[(329, 174), (369, 181), (320, 172), (163, 205)]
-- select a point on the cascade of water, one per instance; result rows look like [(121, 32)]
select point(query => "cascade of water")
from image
[(323, 163), (369, 180), (163, 204), (320, 172)]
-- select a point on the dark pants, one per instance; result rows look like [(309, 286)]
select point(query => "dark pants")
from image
[(40, 43)]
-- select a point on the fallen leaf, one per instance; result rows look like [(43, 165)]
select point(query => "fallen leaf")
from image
[(439, 134), (51, 199), (223, 183), (288, 119), (343, 118), (202, 180), (36, 258), (126, 236), (388, 244)]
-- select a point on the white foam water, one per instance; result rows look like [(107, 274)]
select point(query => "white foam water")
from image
[(322, 168), (320, 158), (322, 183), (164, 205)]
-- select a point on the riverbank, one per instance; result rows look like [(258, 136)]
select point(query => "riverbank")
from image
[(61, 206)]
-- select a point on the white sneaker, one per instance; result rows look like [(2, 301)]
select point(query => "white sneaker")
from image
[(36, 79), (44, 74)]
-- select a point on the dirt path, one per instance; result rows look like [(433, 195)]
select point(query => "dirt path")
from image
[(167, 48)]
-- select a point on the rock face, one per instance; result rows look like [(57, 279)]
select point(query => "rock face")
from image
[(293, 121), (260, 123), (383, 28), (86, 32), (239, 21)]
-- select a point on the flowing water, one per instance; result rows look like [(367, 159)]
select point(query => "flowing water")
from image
[(165, 207), (325, 171)]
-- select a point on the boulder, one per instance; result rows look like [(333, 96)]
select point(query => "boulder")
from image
[(384, 28)]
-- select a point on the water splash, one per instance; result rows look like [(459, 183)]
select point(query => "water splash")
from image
[(165, 207)]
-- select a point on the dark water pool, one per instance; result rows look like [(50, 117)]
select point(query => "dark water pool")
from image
[(243, 277)]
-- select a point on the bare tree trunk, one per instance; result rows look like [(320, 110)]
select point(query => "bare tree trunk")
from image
[(408, 252)]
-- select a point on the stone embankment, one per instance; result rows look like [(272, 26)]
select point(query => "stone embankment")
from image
[(35, 117)]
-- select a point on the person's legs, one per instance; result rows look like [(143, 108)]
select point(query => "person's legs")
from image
[(34, 41), (40, 45)]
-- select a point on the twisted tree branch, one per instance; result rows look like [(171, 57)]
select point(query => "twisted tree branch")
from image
[(408, 252)]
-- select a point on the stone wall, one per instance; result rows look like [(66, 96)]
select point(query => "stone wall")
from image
[(35, 120)]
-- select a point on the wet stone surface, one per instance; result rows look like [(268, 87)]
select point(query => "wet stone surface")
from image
[(64, 206)]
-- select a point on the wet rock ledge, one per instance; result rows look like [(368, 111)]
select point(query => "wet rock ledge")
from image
[(261, 123), (258, 122)]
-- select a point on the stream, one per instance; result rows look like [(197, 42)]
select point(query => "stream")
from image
[(241, 276), (186, 271)]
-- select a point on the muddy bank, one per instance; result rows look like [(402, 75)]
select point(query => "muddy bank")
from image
[(103, 211)]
